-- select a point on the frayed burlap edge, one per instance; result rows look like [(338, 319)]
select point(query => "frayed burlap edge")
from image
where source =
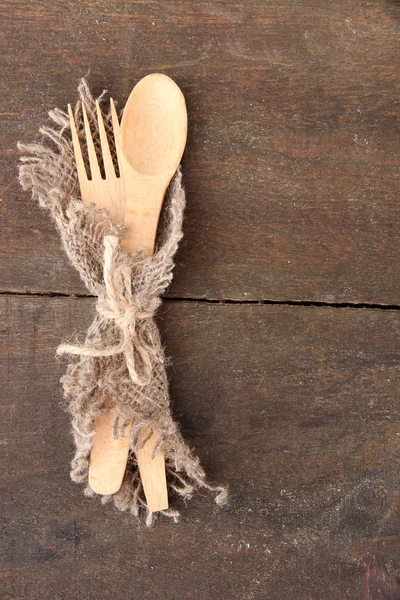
[(122, 360)]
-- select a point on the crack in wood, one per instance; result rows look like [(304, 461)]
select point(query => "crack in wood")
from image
[(254, 301)]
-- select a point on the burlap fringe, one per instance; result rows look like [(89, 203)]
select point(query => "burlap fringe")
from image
[(122, 359)]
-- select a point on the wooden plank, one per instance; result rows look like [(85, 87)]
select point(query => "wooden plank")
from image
[(294, 407), (292, 166)]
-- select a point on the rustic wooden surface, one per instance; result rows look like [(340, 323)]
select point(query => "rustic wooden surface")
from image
[(293, 407), (292, 173), (292, 168)]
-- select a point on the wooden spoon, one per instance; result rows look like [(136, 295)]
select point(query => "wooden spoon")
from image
[(152, 139)]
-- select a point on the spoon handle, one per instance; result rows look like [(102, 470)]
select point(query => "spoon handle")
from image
[(144, 199)]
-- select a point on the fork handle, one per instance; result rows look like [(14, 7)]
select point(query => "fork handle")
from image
[(102, 478), (144, 199), (107, 481)]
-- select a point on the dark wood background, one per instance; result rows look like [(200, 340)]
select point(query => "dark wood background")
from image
[(282, 321)]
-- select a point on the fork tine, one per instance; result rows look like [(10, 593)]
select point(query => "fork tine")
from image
[(116, 130), (105, 148), (80, 164), (93, 162)]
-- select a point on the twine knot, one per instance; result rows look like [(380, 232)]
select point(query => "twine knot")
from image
[(118, 305), (129, 317)]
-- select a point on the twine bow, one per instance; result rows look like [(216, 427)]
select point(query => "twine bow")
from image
[(118, 305)]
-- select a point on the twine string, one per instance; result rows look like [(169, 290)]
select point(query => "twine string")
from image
[(119, 306)]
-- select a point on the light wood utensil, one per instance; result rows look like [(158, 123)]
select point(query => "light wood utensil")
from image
[(150, 145), (106, 193)]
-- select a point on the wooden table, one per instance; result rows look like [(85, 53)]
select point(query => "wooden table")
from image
[(282, 321)]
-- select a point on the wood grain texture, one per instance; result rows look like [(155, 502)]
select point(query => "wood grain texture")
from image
[(294, 407), (292, 167), (292, 175)]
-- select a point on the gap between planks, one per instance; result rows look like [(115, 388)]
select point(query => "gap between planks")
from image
[(310, 303)]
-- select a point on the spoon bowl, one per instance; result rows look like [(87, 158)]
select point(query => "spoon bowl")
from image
[(152, 140), (154, 127)]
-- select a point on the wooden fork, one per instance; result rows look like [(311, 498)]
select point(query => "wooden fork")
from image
[(108, 193), (109, 457)]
